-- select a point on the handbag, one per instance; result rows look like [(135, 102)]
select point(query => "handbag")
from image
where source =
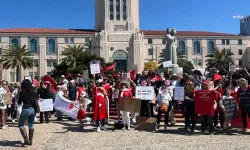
[(164, 107)]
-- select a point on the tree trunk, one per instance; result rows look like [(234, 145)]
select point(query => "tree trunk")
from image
[(17, 74)]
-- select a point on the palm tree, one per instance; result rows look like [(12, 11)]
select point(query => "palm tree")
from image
[(72, 55), (220, 59), (17, 57)]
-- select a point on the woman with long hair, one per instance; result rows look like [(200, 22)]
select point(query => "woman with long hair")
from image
[(28, 98), (3, 107)]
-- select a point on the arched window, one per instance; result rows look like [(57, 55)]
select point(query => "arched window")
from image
[(33, 45), (182, 47), (197, 47), (210, 47), (52, 46), (14, 42)]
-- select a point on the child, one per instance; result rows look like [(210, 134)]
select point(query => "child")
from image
[(226, 96)]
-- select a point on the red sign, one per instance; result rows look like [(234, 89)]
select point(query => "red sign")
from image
[(204, 102)]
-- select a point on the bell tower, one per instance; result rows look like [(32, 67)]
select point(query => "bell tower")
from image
[(117, 15)]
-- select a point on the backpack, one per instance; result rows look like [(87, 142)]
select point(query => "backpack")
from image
[(118, 125)]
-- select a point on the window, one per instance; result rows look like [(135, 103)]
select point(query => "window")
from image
[(35, 75), (12, 77), (210, 47), (66, 40), (240, 62), (197, 62), (72, 40), (35, 63), (87, 39), (150, 51), (227, 41), (150, 41), (239, 42), (111, 17), (163, 41), (49, 73), (124, 17), (33, 46), (223, 42), (117, 2), (118, 17), (51, 63), (14, 42), (52, 46), (197, 47), (182, 47), (118, 8), (31, 74), (240, 52)]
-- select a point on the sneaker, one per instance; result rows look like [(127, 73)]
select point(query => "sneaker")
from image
[(13, 121), (133, 121), (156, 127), (244, 130), (4, 127), (9, 118), (129, 128), (98, 129), (123, 128), (165, 127), (104, 128)]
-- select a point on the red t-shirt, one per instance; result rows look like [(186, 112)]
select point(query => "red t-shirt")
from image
[(204, 102), (80, 89)]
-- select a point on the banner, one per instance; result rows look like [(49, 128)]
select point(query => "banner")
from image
[(179, 93), (204, 102), (45, 104), (167, 64), (144, 92), (69, 108)]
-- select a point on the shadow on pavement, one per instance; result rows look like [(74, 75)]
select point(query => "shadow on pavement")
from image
[(11, 143)]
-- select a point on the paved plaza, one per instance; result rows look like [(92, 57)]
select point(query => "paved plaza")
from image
[(67, 135)]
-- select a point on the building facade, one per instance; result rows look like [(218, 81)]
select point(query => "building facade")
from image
[(120, 39)]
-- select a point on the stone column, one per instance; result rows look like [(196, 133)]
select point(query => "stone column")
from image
[(203, 58), (138, 52)]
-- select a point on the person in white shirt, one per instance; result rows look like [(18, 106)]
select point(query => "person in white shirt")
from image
[(163, 99), (58, 113)]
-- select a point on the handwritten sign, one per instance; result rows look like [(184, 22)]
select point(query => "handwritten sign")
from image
[(144, 92), (167, 64), (179, 93), (85, 74), (95, 68), (45, 104), (230, 109), (244, 97), (6, 99)]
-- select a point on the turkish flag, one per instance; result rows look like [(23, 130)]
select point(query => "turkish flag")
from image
[(52, 81), (132, 74), (111, 67), (68, 76)]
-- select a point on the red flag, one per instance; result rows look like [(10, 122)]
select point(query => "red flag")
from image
[(52, 81), (111, 67), (68, 76), (132, 74), (216, 77)]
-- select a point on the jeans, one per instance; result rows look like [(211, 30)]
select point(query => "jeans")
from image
[(189, 113), (244, 118), (27, 113), (145, 109), (207, 121), (166, 114)]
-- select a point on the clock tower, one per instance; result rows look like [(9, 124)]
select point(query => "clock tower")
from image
[(115, 15)]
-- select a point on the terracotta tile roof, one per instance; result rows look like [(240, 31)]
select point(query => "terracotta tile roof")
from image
[(187, 33), (47, 31)]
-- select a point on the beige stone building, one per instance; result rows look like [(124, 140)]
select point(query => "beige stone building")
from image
[(118, 34)]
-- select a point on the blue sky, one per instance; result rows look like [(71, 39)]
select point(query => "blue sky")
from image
[(195, 15)]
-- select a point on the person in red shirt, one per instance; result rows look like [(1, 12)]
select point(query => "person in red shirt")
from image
[(218, 112), (125, 92), (80, 89), (243, 88)]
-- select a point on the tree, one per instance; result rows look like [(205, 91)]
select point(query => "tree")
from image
[(72, 54), (17, 57), (181, 61), (220, 59)]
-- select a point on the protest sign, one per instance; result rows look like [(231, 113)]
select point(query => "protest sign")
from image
[(85, 74), (66, 106), (230, 106), (6, 99), (28, 78), (45, 105), (244, 97), (179, 93), (95, 67), (167, 64), (204, 102), (130, 104), (144, 92)]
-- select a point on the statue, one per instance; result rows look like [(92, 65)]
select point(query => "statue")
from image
[(170, 51)]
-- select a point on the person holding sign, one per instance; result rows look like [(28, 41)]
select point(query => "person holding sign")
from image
[(125, 92), (189, 106), (226, 110), (163, 99), (244, 97)]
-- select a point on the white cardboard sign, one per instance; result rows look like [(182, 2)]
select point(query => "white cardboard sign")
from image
[(144, 92), (179, 93)]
